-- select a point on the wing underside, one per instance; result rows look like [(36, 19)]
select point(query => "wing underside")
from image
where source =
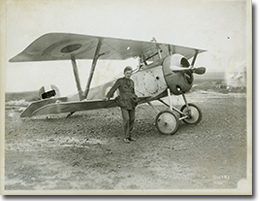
[(60, 46), (56, 106)]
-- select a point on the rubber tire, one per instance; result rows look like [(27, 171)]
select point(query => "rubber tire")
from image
[(198, 111), (163, 131)]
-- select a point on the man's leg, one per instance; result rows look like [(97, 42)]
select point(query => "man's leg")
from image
[(125, 115), (131, 119), (131, 123)]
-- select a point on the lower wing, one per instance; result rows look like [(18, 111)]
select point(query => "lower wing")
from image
[(55, 106)]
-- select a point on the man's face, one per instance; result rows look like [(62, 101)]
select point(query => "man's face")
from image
[(128, 74)]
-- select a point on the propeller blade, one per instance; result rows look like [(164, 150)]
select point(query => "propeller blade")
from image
[(199, 70), (179, 69)]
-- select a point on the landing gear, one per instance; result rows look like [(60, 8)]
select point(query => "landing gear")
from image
[(192, 113), (167, 122)]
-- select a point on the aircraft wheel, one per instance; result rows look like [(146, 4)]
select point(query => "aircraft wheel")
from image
[(194, 114), (167, 122)]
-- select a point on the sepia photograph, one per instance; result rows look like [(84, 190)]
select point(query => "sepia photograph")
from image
[(126, 97)]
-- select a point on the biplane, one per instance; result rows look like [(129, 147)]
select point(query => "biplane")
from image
[(163, 70)]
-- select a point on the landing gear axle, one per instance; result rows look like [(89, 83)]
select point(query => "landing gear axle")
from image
[(167, 122)]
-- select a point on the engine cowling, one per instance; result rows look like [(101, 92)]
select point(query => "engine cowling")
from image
[(177, 79)]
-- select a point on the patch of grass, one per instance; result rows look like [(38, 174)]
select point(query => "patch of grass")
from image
[(27, 96)]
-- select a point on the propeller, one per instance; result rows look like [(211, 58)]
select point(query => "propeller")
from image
[(198, 70)]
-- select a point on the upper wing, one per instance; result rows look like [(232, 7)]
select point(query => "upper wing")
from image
[(60, 46)]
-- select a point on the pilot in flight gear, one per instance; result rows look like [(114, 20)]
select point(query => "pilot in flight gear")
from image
[(127, 101)]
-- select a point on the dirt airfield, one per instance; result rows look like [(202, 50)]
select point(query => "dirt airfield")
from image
[(87, 152)]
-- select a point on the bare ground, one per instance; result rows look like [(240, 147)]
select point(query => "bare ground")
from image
[(86, 151)]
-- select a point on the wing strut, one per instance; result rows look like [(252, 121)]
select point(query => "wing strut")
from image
[(94, 62), (76, 74), (159, 51), (170, 50), (194, 58)]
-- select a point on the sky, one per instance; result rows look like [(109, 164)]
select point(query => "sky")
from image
[(222, 27)]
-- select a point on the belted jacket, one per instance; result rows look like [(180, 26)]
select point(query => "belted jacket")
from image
[(127, 98)]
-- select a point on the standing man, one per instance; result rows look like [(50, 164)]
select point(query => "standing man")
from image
[(127, 100)]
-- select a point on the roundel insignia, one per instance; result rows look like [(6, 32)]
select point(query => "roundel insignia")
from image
[(67, 47), (71, 48)]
